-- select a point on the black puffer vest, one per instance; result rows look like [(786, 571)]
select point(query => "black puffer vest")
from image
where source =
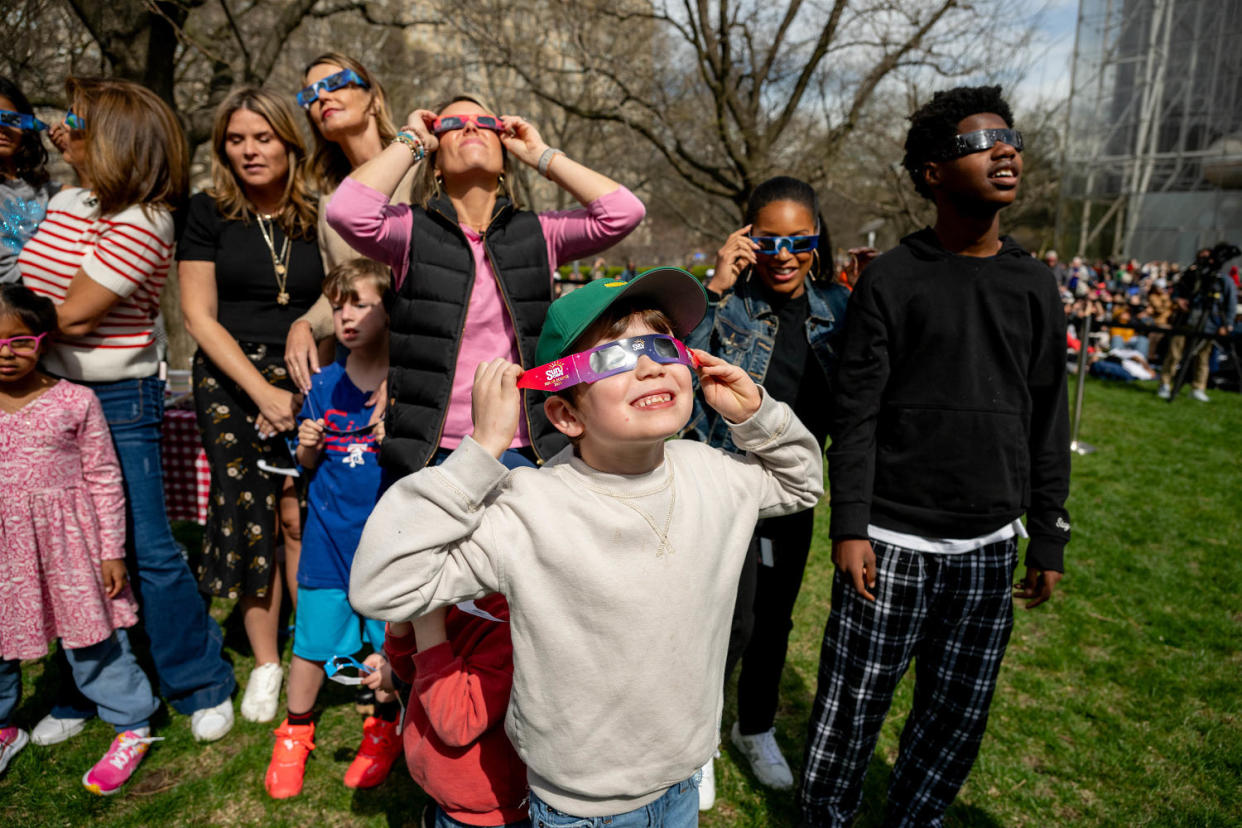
[(429, 314)]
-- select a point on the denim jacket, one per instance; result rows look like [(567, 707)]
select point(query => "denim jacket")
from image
[(741, 328)]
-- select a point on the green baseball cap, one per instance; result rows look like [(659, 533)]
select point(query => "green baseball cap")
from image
[(669, 289)]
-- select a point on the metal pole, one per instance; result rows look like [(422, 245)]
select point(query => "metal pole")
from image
[(1075, 446)]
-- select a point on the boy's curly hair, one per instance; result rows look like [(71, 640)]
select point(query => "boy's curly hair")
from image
[(935, 123)]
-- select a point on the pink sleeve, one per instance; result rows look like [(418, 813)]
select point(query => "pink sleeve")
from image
[(585, 231), (465, 695), (102, 473), (373, 226)]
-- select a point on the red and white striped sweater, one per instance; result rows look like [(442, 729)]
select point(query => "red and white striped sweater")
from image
[(128, 253)]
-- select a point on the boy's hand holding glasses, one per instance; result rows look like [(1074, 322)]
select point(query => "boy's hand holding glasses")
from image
[(495, 404)]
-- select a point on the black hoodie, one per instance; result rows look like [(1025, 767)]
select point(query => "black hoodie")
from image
[(949, 415)]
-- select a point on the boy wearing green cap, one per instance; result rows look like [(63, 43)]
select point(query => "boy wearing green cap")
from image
[(619, 557)]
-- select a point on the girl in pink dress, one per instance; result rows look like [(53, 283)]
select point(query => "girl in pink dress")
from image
[(62, 544)]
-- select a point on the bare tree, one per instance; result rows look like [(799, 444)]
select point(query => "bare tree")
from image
[(728, 92)]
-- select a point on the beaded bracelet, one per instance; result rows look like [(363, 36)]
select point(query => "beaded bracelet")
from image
[(545, 160), (412, 141)]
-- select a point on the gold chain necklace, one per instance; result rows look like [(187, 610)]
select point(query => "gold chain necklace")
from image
[(664, 546), (280, 263)]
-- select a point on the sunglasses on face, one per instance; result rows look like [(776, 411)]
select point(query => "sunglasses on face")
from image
[(74, 121), (346, 670), (980, 140), (329, 84), (20, 120), (773, 245), (24, 345), (448, 123), (605, 360)]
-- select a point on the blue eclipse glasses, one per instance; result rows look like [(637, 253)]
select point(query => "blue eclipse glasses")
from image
[(337, 668), (329, 84), (20, 120), (74, 120), (969, 143), (773, 245)]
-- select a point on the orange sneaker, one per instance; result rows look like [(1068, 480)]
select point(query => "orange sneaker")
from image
[(381, 745), (288, 766)]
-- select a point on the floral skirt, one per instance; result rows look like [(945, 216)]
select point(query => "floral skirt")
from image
[(240, 538)]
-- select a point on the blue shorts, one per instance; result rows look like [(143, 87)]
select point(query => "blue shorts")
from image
[(327, 626)]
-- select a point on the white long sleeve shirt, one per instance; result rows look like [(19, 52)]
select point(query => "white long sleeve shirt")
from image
[(620, 590)]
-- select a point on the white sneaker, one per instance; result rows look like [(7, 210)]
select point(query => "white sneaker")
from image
[(1164, 392), (765, 758), (262, 693), (51, 730), (1200, 395), (211, 723), (13, 746), (707, 786)]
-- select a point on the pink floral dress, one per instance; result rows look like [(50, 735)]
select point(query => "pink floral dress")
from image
[(62, 512)]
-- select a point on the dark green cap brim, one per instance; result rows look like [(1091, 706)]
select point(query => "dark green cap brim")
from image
[(669, 289)]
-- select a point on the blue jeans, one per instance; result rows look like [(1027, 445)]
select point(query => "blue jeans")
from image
[(185, 640), (106, 673), (678, 808)]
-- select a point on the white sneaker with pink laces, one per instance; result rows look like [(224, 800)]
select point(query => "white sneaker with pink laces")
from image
[(119, 763)]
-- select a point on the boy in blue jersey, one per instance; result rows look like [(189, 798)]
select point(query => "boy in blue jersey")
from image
[(337, 446)]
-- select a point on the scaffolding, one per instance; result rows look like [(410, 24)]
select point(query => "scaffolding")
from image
[(1153, 149)]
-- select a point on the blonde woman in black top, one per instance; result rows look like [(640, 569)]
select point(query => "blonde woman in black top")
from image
[(249, 266)]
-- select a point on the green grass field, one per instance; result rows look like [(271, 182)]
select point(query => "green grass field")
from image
[(1118, 704)]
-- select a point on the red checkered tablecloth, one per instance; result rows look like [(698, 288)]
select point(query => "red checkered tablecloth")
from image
[(187, 477)]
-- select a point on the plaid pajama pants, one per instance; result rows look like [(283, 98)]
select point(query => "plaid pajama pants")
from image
[(952, 614)]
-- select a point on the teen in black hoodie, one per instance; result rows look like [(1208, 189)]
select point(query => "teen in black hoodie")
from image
[(949, 421)]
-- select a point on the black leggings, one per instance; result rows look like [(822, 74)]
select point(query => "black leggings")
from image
[(763, 616)]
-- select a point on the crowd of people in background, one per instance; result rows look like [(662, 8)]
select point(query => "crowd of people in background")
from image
[(363, 307), (1122, 306)]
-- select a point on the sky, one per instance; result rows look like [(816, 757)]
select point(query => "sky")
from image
[(1050, 76)]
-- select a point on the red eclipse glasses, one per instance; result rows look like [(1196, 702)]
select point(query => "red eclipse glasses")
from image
[(448, 123)]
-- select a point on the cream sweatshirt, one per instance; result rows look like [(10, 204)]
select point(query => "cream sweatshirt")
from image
[(620, 590)]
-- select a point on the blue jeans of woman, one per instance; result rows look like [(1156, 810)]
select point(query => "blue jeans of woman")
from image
[(185, 641)]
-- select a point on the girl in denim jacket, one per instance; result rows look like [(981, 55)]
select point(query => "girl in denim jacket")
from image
[(775, 311)]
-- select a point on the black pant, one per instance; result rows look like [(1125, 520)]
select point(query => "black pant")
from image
[(763, 616)]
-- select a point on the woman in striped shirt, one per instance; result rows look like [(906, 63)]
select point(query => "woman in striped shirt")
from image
[(102, 254)]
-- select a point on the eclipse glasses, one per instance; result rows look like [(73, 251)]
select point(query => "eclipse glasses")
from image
[(606, 360), (20, 120), (773, 245), (448, 123), (981, 139), (330, 84)]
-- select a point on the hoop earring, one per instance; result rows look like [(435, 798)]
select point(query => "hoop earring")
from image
[(815, 266)]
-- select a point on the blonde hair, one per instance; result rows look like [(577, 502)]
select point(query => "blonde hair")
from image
[(297, 208), (428, 185), (328, 165), (135, 149), (341, 281)]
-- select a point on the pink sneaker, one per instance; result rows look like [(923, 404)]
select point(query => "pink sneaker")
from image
[(118, 764)]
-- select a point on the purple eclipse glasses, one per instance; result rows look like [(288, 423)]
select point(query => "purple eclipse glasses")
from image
[(605, 360)]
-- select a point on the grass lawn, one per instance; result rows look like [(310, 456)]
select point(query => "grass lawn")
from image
[(1118, 704)]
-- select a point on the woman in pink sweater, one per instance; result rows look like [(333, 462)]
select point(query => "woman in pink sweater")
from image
[(472, 271)]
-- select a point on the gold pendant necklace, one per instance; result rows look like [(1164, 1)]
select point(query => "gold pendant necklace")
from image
[(280, 263)]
